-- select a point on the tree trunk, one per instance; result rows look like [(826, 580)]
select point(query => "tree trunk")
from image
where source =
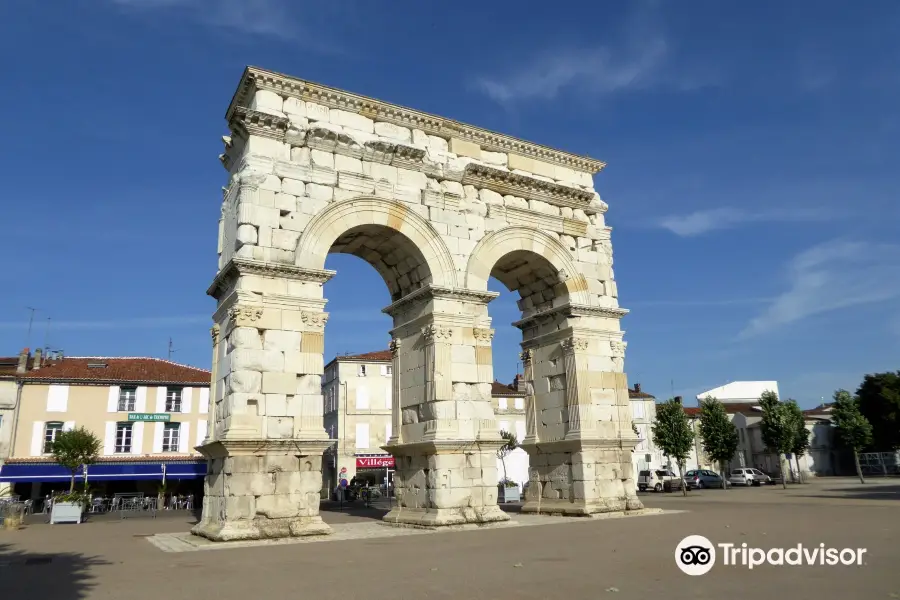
[(72, 483), (858, 468), (799, 472), (503, 462), (781, 467), (681, 476), (722, 473)]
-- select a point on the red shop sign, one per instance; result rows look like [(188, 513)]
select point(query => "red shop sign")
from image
[(374, 462)]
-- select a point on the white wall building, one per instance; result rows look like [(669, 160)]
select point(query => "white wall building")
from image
[(643, 414), (740, 391)]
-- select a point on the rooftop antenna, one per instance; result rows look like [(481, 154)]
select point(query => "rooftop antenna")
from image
[(171, 349), (30, 321), (47, 336)]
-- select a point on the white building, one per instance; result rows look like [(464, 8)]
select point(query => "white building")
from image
[(509, 407), (740, 391), (357, 392), (643, 414)]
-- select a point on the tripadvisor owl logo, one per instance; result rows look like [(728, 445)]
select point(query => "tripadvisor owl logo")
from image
[(696, 555)]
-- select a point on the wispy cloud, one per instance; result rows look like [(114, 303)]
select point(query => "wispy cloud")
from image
[(143, 322), (639, 60), (705, 221), (261, 17), (830, 276)]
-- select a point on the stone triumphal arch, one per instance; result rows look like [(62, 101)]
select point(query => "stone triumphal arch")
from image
[(437, 207)]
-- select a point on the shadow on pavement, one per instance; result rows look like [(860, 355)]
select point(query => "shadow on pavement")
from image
[(861, 492), (61, 576), (376, 510)]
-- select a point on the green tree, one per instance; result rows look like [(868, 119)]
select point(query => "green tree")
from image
[(853, 430), (777, 428), (510, 443), (75, 448), (800, 445), (879, 403), (672, 433), (718, 433)]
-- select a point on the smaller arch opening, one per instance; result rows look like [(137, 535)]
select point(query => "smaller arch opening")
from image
[(396, 258), (537, 282)]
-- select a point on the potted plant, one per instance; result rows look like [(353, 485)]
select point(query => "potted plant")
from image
[(508, 490), (73, 449)]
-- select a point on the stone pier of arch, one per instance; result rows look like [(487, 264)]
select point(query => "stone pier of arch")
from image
[(437, 208)]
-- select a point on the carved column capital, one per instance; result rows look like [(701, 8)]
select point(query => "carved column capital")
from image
[(574, 344), (618, 349), (314, 320), (214, 333), (483, 335), (437, 333), (244, 315), (526, 356), (395, 347)]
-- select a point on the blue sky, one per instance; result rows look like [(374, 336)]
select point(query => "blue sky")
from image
[(750, 150)]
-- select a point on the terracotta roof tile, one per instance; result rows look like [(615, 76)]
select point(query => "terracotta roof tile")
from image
[(379, 355), (504, 389), (632, 394), (130, 370)]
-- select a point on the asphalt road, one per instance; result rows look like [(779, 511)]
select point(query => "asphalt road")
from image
[(615, 558)]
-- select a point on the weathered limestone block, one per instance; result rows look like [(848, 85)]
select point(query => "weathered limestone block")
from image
[(351, 120)]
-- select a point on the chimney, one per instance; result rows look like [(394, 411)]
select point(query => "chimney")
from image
[(679, 399), (637, 388), (23, 361), (37, 360), (519, 383)]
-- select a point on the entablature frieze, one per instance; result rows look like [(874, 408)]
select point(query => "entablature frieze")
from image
[(570, 310), (433, 292), (507, 183), (236, 267), (260, 79)]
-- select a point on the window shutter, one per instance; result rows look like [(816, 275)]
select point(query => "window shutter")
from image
[(158, 437), (184, 438), (140, 399), (384, 370), (112, 403), (519, 403), (161, 399), (203, 409), (201, 431), (37, 438), (57, 398), (362, 436), (109, 441), (68, 425), (137, 438), (186, 395), (502, 402), (362, 397)]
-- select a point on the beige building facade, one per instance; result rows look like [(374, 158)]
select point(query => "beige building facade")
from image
[(437, 207), (142, 410), (357, 391)]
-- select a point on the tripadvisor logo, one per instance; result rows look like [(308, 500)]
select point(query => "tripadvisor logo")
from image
[(696, 555)]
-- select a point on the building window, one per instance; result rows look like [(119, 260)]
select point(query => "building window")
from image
[(362, 370), (123, 437), (173, 400), (51, 430), (386, 370), (171, 434), (126, 399)]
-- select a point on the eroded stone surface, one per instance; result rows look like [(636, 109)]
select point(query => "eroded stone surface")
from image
[(437, 208)]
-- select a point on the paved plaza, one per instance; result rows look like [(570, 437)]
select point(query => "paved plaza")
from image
[(629, 557)]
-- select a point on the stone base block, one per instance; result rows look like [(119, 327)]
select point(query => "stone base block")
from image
[(582, 508), (261, 529), (444, 517), (445, 483), (262, 489)]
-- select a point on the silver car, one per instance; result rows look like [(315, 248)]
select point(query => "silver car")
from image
[(704, 478), (749, 477)]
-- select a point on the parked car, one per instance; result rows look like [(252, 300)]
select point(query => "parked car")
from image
[(749, 477), (656, 480), (704, 478)]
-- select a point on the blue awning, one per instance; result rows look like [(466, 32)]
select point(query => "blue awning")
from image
[(44, 472)]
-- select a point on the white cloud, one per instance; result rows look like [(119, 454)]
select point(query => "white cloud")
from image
[(261, 17), (704, 221), (640, 60), (834, 275)]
